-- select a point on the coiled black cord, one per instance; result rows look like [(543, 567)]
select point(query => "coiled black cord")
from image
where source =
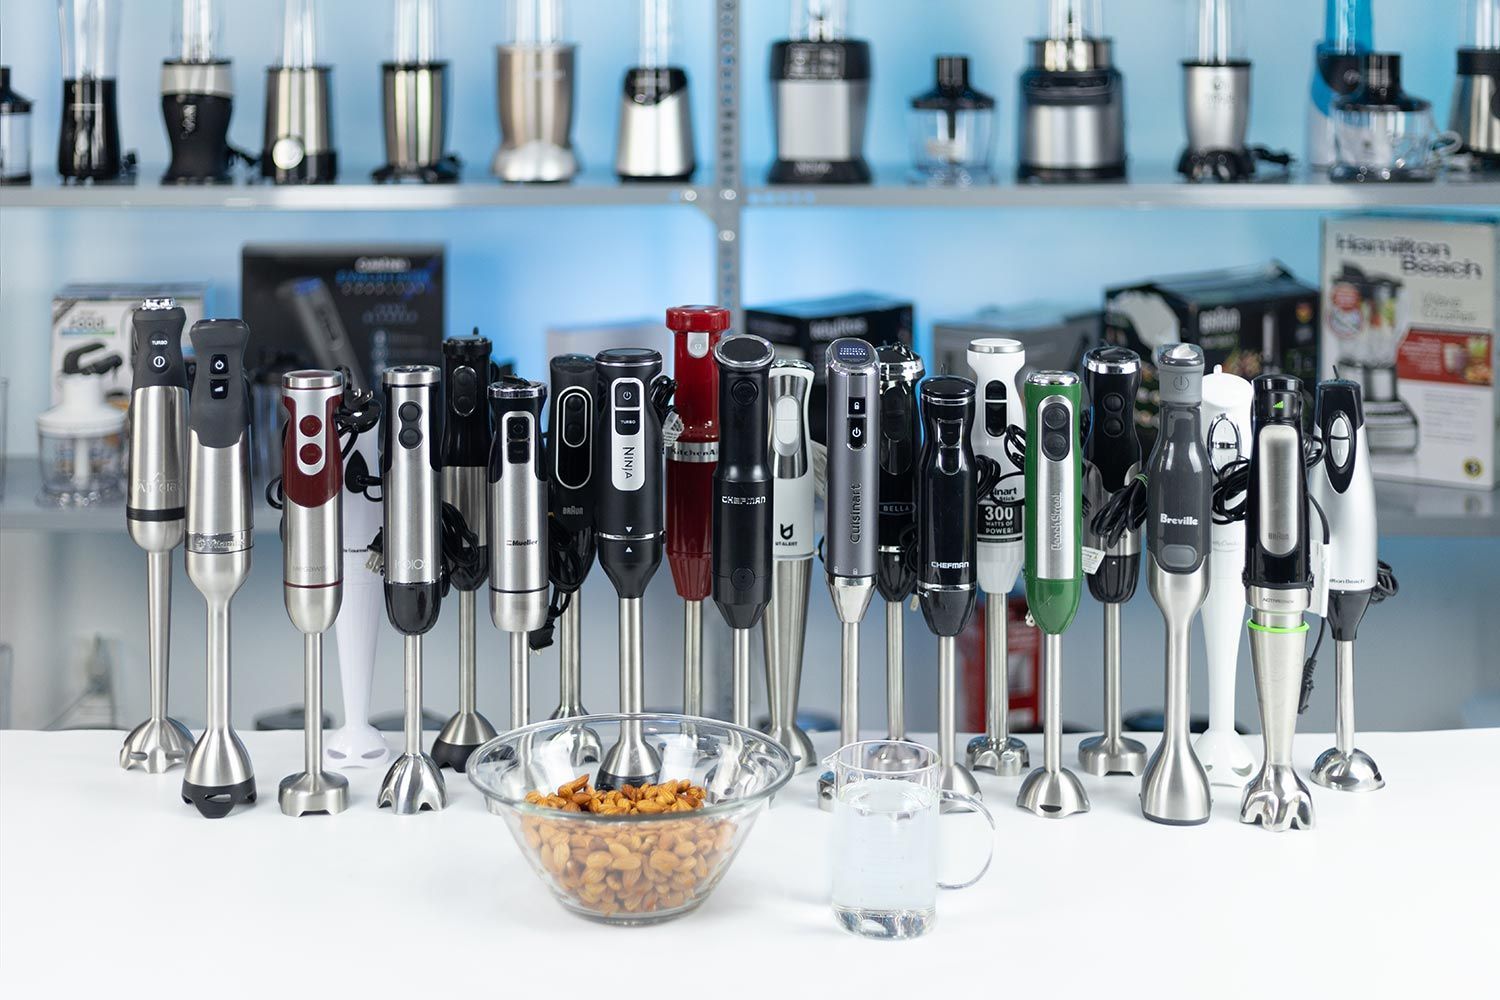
[(1125, 510), (358, 412)]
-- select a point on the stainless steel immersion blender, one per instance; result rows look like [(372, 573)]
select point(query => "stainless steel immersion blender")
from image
[(900, 431), (518, 528), (220, 533), (154, 513), (1179, 490), (742, 502), (411, 538), (996, 363), (570, 521), (312, 534)]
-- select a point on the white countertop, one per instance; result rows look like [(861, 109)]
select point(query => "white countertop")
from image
[(108, 882)]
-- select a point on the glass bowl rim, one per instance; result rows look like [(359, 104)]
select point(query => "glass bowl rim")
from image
[(525, 808)]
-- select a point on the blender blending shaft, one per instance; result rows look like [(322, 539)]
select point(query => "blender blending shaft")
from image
[(895, 671), (692, 657)]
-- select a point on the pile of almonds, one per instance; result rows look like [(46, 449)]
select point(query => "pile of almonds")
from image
[(632, 868)]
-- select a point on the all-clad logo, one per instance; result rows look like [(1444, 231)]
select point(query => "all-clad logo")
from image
[(1054, 523), (856, 511), (1187, 520)]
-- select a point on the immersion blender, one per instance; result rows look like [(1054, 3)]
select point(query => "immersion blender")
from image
[(948, 514), (312, 480), (900, 430), (411, 538), (1278, 583), (1226, 427), (1111, 461), (518, 528), (1344, 487), (742, 502), (570, 522), (850, 548), (1054, 571), (628, 527), (154, 514), (690, 480), (784, 625), (996, 363), (466, 452), (220, 533), (1179, 491)]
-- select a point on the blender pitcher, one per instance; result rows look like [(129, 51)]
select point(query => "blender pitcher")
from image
[(88, 145)]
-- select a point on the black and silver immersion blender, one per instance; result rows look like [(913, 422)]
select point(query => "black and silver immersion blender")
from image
[(299, 104), (1179, 490), (88, 142), (466, 453), (570, 521), (948, 516), (628, 529), (197, 97), (312, 546), (900, 432), (415, 94), (851, 553), (1344, 487), (154, 513), (742, 501), (1111, 461), (518, 528), (411, 539), (1278, 583), (220, 534)]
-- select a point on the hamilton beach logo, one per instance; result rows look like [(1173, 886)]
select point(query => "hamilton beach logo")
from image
[(1187, 521)]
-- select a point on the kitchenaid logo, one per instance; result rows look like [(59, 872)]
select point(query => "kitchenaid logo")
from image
[(1416, 256), (839, 326), (382, 265), (1186, 521), (856, 512), (1054, 523), (1224, 320), (949, 565)]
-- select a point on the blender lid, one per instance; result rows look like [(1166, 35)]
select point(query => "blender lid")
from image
[(952, 91), (11, 103)]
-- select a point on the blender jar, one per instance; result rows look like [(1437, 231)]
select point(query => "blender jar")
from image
[(952, 129), (1482, 24), (1381, 133), (15, 133), (820, 20), (88, 146)]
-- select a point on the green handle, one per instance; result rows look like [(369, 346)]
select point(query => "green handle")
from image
[(1054, 505)]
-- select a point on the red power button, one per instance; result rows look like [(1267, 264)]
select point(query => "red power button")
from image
[(310, 426)]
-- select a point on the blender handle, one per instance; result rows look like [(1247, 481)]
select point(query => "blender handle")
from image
[(974, 805)]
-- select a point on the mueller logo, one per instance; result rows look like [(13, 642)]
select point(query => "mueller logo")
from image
[(521, 543), (627, 461), (856, 512), (381, 265), (1223, 320), (1054, 523), (1187, 521)]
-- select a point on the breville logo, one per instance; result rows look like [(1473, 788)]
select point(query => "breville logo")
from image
[(1187, 520), (856, 511)]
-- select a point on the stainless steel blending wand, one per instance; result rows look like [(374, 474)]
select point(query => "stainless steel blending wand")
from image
[(154, 514), (411, 539), (850, 541), (900, 439), (312, 566), (518, 528), (220, 533)]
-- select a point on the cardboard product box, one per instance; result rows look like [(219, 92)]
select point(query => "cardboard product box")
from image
[(1409, 311), (1055, 337), (100, 313), (1250, 320), (803, 330), (368, 307)]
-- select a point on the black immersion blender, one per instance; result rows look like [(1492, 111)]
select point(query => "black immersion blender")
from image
[(628, 528), (412, 553), (466, 451), (220, 533), (948, 516), (570, 520), (518, 528), (1111, 461), (742, 501), (900, 437), (312, 545), (154, 513), (1278, 585), (197, 98)]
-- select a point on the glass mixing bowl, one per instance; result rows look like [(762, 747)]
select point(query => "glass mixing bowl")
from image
[(636, 868)]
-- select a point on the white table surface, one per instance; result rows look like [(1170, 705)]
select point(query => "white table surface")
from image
[(108, 882)]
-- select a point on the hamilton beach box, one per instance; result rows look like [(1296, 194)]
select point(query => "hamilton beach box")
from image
[(1409, 312)]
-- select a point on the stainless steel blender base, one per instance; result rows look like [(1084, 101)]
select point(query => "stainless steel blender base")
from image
[(219, 774), (798, 744), (1007, 758), (463, 734), (1347, 772), (1175, 790), (1277, 800), (156, 746), (412, 784), (1102, 755), (318, 792), (1053, 794), (956, 778)]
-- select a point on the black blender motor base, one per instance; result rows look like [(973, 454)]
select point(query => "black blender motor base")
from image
[(315, 168), (454, 755), (819, 172), (217, 801), (444, 171), (1229, 166), (1031, 173)]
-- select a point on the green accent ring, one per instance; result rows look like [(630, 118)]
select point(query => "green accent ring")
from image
[(1276, 630)]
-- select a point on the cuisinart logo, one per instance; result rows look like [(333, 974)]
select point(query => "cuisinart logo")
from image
[(381, 265), (856, 512), (839, 326), (1416, 256), (1187, 521)]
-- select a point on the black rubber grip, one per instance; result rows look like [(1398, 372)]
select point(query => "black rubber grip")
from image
[(219, 410), (156, 348)]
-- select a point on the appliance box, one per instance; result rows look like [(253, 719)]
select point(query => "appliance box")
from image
[(1410, 306), (100, 313)]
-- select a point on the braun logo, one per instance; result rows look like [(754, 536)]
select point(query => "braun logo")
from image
[(572, 511), (856, 512), (627, 461), (1186, 521), (949, 565), (381, 265), (1054, 523), (1224, 320)]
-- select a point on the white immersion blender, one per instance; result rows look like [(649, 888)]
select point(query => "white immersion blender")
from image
[(996, 363), (154, 513), (1344, 487), (220, 533), (1224, 753), (312, 483)]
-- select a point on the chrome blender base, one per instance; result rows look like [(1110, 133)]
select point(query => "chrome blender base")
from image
[(412, 784), (463, 734), (1007, 758), (1226, 757), (318, 792), (355, 746), (957, 778), (156, 746), (1277, 800), (1053, 794), (587, 747), (1175, 790), (1347, 772), (1102, 755), (798, 744), (628, 763)]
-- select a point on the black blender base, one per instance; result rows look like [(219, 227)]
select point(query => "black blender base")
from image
[(1070, 175), (444, 171), (216, 801), (819, 172), (681, 178), (19, 181), (454, 755), (1229, 166)]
